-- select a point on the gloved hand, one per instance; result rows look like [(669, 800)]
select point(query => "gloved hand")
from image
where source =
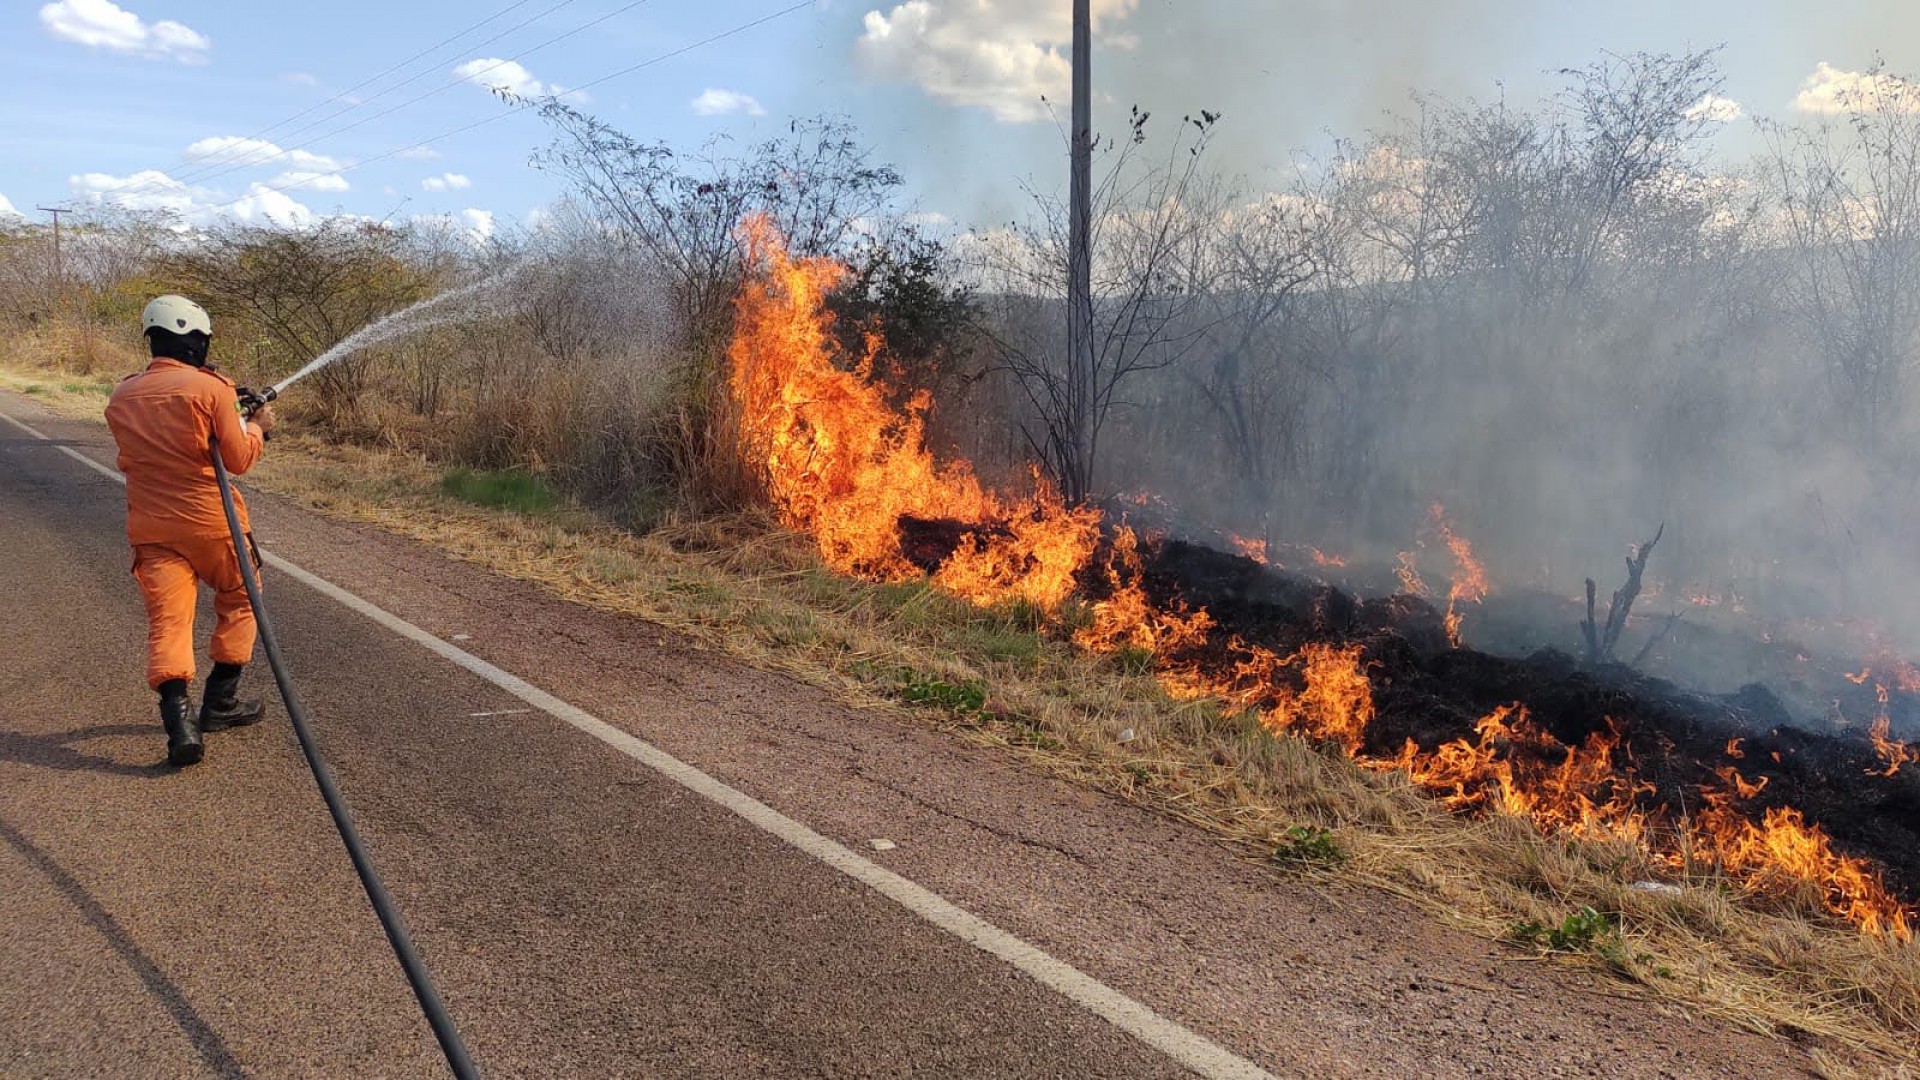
[(263, 416)]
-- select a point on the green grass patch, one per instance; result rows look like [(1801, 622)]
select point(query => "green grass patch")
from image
[(514, 490), (1306, 846), (939, 694), (1585, 930)]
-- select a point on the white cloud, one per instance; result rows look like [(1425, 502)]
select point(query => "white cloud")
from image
[(479, 223), (1718, 109), (154, 190), (420, 153), (148, 189), (263, 205), (510, 77), (102, 24), (299, 78), (998, 55), (1830, 90), (313, 181), (452, 181), (7, 210), (232, 148), (712, 102), (473, 225), (225, 150)]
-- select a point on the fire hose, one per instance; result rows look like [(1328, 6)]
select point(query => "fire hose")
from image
[(416, 971)]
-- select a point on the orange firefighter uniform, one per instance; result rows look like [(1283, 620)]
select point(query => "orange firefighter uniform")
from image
[(164, 420)]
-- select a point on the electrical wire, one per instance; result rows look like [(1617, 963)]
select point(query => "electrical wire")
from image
[(261, 156), (343, 95), (523, 107)]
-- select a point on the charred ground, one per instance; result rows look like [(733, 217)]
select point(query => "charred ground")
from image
[(1675, 742)]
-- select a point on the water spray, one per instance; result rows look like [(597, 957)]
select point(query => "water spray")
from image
[(434, 311)]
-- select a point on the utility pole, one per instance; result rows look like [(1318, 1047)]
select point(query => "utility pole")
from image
[(1080, 368), (59, 276)]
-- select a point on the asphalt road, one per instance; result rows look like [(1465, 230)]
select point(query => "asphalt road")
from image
[(586, 915)]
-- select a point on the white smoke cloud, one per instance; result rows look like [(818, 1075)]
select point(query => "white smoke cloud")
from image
[(102, 24), (7, 210), (1000, 55)]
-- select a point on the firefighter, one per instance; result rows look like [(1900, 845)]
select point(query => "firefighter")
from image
[(164, 420)]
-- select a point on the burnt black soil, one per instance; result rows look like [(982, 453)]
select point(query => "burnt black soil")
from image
[(1674, 740)]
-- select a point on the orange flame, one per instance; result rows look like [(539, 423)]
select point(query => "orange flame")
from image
[(1470, 583), (1252, 548), (1890, 750), (1784, 850), (1127, 619), (1409, 576), (843, 464)]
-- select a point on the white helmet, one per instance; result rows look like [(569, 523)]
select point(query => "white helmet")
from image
[(176, 315)]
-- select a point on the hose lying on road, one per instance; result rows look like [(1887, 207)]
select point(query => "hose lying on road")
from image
[(417, 975)]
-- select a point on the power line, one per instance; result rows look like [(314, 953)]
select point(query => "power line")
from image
[(377, 76), (523, 107), (202, 174), (470, 77)]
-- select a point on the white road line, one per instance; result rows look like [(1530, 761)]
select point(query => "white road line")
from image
[(1185, 1046)]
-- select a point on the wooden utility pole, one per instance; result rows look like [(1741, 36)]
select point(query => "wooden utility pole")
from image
[(59, 276), (1080, 367)]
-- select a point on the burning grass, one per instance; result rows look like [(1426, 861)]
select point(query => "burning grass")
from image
[(987, 675), (1010, 674), (842, 463)]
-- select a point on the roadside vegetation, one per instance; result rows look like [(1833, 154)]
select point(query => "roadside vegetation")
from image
[(1307, 367)]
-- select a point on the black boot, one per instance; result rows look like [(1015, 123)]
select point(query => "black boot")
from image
[(183, 734), (222, 708)]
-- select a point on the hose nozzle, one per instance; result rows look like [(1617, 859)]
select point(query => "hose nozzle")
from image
[(252, 401)]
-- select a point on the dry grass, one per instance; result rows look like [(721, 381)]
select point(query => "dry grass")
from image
[(996, 678)]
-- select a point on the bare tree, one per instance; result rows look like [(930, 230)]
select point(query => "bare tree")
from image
[(1149, 225), (1257, 353), (287, 296), (1850, 201), (816, 183)]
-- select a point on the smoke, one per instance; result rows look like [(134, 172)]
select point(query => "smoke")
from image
[(960, 79), (1559, 424)]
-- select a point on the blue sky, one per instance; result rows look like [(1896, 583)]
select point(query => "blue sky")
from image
[(112, 97)]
